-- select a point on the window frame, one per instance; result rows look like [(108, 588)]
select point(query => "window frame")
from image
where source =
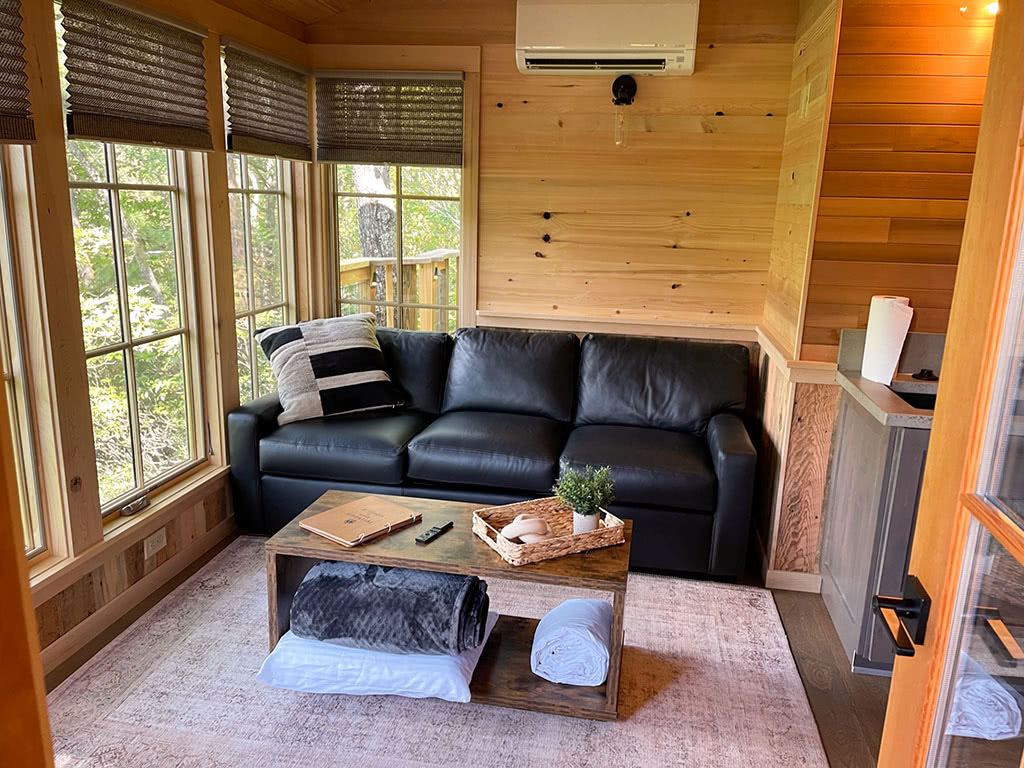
[(14, 354), (188, 330), (287, 256), (399, 197)]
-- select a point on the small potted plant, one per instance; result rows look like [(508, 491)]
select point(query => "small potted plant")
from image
[(586, 492)]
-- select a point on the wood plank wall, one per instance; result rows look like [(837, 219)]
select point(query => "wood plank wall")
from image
[(910, 78), (673, 228), (810, 93)]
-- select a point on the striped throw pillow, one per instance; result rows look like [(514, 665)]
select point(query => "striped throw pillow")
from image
[(327, 367)]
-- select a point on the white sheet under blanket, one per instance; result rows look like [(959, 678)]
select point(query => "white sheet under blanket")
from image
[(572, 641), (983, 707)]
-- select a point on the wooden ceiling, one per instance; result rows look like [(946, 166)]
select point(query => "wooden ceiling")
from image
[(297, 12)]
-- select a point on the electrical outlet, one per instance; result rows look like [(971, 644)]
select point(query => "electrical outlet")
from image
[(154, 543)]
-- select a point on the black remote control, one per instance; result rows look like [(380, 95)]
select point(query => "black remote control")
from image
[(428, 536)]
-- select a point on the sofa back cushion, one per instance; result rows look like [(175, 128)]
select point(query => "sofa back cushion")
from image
[(513, 372), (418, 364), (660, 383)]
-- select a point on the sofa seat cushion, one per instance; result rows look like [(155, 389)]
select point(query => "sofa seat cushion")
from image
[(369, 449), (503, 450), (650, 466)]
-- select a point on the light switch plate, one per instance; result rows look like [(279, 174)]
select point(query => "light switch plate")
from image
[(154, 543)]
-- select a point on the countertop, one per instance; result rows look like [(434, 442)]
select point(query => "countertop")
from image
[(883, 404)]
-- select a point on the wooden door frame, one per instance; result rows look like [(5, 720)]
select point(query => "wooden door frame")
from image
[(990, 241), (24, 723)]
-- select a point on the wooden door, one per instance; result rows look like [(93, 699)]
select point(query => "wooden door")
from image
[(24, 726), (958, 700)]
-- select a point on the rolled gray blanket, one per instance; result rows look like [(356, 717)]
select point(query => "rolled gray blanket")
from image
[(394, 610)]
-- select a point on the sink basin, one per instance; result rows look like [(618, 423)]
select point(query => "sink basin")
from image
[(923, 400)]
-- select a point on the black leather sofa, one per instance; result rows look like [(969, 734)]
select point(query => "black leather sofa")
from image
[(493, 413)]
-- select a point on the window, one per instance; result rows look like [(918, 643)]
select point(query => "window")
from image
[(398, 236), (257, 189), (137, 299), (12, 359)]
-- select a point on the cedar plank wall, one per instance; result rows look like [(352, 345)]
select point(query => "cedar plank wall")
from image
[(810, 90), (674, 228), (910, 79)]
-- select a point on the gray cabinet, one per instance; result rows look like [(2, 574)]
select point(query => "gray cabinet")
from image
[(874, 483)]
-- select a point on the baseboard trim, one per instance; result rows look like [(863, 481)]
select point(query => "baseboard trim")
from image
[(793, 581), (82, 633)]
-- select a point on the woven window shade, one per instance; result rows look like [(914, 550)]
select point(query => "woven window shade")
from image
[(15, 120), (268, 112), (133, 79), (394, 120)]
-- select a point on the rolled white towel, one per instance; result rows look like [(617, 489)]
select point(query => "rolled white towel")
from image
[(571, 644), (983, 707)]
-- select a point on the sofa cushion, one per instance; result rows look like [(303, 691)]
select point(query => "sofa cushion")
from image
[(512, 372), (655, 467), (659, 383), (503, 450), (328, 366), (417, 362), (368, 449)]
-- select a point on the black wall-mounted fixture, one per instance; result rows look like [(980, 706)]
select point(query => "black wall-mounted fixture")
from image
[(623, 90)]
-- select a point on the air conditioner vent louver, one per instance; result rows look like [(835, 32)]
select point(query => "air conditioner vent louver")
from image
[(600, 65)]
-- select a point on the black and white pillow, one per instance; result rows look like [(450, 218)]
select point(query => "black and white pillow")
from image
[(327, 367)]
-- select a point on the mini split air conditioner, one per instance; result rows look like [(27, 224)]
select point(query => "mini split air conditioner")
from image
[(588, 37)]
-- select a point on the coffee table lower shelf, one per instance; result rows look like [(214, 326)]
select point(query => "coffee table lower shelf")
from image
[(503, 678)]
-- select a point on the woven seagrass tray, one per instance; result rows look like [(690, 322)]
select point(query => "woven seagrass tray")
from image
[(488, 522)]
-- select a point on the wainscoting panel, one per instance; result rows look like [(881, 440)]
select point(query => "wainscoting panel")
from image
[(60, 614), (798, 528)]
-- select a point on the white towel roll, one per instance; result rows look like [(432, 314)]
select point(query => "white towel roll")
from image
[(571, 644), (983, 707), (888, 322)]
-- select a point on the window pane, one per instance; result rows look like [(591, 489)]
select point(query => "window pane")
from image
[(97, 271), (111, 425), (163, 407), (367, 248), (264, 376), (419, 319), (147, 231), (433, 182), (431, 238), (265, 249), (86, 161), (235, 171), (241, 278), (366, 179), (262, 172), (141, 165), (385, 315), (242, 343), (981, 699)]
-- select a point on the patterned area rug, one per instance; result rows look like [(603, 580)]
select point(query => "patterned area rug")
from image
[(707, 680)]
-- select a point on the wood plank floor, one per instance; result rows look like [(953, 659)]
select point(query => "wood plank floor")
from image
[(848, 708)]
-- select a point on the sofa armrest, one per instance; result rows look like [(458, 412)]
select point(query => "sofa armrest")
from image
[(734, 460), (247, 425)]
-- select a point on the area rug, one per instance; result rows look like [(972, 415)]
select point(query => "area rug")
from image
[(707, 681)]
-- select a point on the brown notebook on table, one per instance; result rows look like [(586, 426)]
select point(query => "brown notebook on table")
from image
[(360, 521)]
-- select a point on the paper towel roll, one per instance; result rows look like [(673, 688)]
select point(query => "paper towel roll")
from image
[(888, 323)]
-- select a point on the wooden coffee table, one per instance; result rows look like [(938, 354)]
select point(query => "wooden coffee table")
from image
[(503, 676)]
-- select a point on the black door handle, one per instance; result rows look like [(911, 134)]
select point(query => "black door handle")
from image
[(905, 618)]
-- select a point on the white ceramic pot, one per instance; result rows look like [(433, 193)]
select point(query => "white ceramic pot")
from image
[(585, 523)]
